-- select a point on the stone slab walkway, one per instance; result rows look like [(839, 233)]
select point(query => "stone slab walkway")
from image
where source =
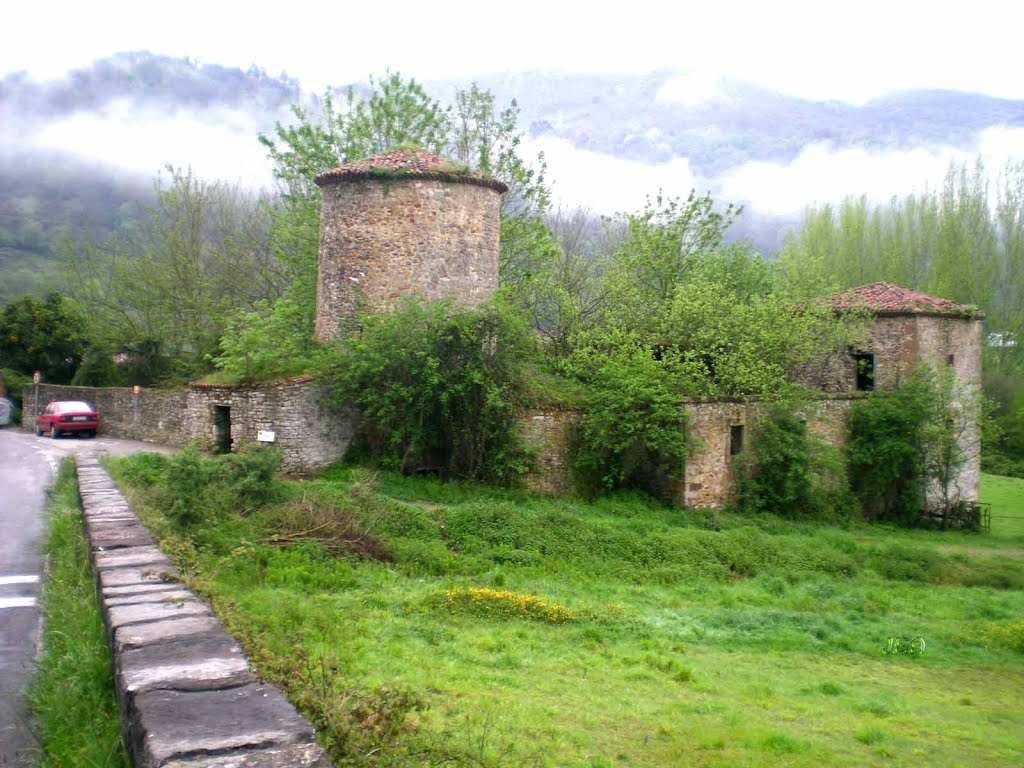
[(187, 695)]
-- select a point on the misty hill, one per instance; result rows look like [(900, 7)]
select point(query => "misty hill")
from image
[(54, 181), (656, 117)]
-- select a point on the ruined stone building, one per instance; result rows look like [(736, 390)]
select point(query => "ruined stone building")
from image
[(408, 222), (908, 329)]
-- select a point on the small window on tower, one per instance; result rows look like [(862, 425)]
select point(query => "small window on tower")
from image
[(864, 369), (735, 439), (950, 360)]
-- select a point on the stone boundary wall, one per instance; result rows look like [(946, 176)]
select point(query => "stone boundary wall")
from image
[(187, 695), (308, 430), (709, 480), (154, 415)]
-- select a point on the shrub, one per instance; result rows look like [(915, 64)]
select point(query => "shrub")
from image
[(886, 450), (775, 475), (790, 473), (503, 604), (632, 434), (195, 487), (437, 387), (144, 469), (1007, 635), (249, 475)]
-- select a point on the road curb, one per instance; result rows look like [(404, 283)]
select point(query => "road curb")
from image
[(187, 694)]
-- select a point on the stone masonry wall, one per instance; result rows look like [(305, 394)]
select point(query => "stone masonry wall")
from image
[(310, 433), (382, 239), (154, 415), (710, 481), (547, 431)]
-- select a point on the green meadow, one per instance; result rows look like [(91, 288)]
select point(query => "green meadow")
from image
[(420, 623)]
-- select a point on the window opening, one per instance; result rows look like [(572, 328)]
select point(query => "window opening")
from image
[(864, 367), (950, 360)]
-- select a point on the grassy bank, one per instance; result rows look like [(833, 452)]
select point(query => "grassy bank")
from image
[(426, 624), (72, 695)]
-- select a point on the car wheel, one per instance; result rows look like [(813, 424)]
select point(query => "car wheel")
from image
[(54, 434), (39, 432), (91, 433)]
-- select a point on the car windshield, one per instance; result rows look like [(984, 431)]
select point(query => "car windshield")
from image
[(72, 405)]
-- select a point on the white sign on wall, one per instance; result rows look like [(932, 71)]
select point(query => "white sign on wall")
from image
[(265, 436)]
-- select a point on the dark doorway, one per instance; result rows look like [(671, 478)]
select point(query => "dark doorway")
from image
[(735, 439), (864, 368), (222, 429)]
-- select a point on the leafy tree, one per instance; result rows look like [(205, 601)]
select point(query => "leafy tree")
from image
[(565, 292), (632, 433), (908, 445), (436, 388), (49, 336), (272, 341), (163, 290), (397, 112), (657, 250)]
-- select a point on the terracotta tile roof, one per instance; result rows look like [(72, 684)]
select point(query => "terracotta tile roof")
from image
[(886, 299), (407, 164)]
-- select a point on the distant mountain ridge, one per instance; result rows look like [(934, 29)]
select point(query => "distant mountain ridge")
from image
[(718, 126)]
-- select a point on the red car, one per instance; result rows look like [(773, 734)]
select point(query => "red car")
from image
[(68, 416)]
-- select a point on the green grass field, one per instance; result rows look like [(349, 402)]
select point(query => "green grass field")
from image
[(499, 629), (1006, 495)]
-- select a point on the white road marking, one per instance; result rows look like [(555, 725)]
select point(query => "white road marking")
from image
[(27, 579), (17, 602)]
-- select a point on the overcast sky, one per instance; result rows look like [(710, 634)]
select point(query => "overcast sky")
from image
[(850, 51)]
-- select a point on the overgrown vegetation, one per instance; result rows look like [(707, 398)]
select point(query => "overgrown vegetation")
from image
[(908, 444), (194, 487), (617, 630), (632, 433), (788, 471), (72, 695), (437, 389)]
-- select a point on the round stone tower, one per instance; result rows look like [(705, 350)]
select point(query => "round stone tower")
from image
[(402, 223)]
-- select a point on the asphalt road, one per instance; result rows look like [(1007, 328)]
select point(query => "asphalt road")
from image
[(27, 467)]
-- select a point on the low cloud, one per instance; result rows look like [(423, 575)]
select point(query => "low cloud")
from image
[(216, 144), (606, 184), (692, 89), (821, 173)]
